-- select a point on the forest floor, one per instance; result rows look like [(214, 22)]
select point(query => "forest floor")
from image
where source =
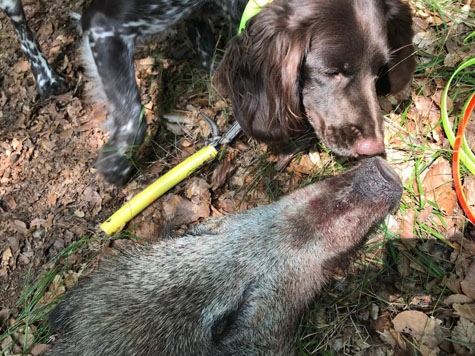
[(410, 291)]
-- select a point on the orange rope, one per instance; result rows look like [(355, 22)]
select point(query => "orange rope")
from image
[(456, 160)]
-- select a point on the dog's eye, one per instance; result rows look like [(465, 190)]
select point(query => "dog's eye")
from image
[(334, 74)]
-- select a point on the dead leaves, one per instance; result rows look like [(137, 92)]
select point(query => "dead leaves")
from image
[(424, 330), (437, 186), (468, 284), (50, 194), (463, 335), (438, 206), (429, 39), (465, 311), (182, 211), (6, 262), (427, 333), (433, 210)]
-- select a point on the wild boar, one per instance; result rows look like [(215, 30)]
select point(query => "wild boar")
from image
[(235, 285)]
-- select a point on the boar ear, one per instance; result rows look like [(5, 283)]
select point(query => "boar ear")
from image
[(397, 74), (261, 74)]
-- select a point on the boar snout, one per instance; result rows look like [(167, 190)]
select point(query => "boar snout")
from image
[(377, 180)]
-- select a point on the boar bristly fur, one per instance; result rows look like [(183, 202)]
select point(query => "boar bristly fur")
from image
[(237, 285)]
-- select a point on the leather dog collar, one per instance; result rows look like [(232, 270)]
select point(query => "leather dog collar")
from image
[(253, 7)]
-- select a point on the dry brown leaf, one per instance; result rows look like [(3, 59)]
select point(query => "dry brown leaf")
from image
[(51, 199), (5, 262), (303, 165), (146, 229), (55, 289), (429, 351), (464, 336), (437, 186), (407, 224), (409, 218), (422, 302), (404, 266), (466, 311), (427, 109), (79, 213), (180, 211), (4, 314), (452, 59), (457, 298), (22, 66), (197, 190), (421, 327), (21, 227), (11, 204), (228, 204), (221, 173), (470, 135), (387, 337), (469, 190), (144, 63), (94, 200), (468, 284), (437, 97), (39, 349), (382, 324), (427, 40)]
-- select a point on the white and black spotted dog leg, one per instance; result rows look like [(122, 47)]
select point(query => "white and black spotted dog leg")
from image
[(202, 27), (49, 83), (204, 44), (110, 39), (110, 31), (113, 58)]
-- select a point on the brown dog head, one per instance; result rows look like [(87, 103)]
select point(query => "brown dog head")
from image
[(321, 60)]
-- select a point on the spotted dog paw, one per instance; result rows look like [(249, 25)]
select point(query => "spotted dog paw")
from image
[(53, 87), (116, 164)]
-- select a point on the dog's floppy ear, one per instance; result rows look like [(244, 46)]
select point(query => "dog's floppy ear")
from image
[(260, 73), (399, 71)]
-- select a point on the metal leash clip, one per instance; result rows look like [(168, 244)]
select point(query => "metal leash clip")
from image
[(218, 139)]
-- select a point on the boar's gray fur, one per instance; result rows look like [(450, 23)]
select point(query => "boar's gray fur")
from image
[(236, 285)]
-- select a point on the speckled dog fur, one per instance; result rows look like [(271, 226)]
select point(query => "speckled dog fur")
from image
[(49, 83)]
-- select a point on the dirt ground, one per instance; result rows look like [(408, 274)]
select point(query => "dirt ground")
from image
[(52, 196)]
